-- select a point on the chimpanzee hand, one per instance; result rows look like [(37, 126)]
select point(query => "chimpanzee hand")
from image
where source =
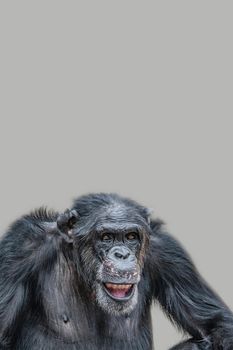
[(65, 223)]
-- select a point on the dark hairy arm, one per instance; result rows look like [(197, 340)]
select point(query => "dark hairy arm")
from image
[(183, 294), (30, 246)]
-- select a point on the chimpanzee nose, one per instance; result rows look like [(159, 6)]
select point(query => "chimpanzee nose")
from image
[(121, 253)]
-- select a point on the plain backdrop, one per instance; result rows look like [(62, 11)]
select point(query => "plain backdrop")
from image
[(130, 97)]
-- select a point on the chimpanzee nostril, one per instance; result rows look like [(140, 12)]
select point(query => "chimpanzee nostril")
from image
[(121, 253)]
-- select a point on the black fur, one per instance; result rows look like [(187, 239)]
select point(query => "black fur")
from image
[(52, 267)]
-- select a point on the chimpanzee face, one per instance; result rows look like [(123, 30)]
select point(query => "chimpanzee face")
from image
[(112, 256), (119, 272)]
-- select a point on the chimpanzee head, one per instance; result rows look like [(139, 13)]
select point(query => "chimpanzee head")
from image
[(111, 238)]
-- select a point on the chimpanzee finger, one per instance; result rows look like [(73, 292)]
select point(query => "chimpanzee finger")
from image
[(67, 220)]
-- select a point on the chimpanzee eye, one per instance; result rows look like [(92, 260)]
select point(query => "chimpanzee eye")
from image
[(106, 237), (132, 236)]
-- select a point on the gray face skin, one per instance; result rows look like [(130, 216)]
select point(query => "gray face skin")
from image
[(112, 257), (119, 273)]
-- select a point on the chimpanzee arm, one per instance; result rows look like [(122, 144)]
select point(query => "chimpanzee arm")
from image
[(184, 295), (31, 245)]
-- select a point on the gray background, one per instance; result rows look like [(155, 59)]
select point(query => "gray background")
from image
[(132, 97)]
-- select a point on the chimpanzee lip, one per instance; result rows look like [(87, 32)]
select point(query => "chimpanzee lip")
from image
[(112, 289)]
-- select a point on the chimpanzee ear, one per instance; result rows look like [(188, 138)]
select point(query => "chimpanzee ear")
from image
[(65, 223), (148, 212), (156, 225)]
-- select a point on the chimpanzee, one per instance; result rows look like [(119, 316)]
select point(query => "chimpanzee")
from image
[(86, 279)]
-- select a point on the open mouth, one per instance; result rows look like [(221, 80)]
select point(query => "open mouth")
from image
[(121, 292)]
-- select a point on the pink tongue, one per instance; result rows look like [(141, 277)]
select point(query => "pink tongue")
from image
[(118, 293)]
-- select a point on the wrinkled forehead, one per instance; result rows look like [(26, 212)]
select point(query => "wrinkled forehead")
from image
[(119, 211), (120, 217), (115, 218)]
